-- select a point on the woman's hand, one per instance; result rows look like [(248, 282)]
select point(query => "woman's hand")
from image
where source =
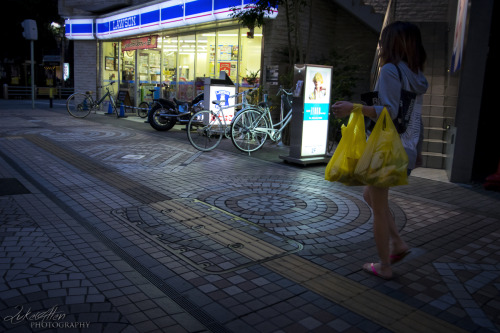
[(342, 109)]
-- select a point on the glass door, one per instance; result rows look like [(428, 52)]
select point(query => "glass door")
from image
[(148, 67), (128, 74)]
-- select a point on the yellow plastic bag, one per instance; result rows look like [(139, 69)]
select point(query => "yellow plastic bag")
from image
[(341, 166), (384, 162)]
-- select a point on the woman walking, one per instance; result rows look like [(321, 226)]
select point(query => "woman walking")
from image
[(400, 48)]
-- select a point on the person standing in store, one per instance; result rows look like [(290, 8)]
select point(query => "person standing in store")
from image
[(400, 45)]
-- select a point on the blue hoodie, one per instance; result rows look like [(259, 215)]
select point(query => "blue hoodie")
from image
[(389, 90)]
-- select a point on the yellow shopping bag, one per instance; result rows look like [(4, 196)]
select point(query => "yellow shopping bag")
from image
[(384, 162), (350, 148)]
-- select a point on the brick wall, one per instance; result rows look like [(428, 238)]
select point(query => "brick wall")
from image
[(414, 11)]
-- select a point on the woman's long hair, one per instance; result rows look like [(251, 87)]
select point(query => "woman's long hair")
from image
[(402, 41)]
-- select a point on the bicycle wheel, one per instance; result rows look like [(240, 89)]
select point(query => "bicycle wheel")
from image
[(249, 130), (159, 122), (143, 109), (205, 130), (79, 105)]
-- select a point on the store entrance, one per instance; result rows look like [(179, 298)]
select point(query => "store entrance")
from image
[(148, 67)]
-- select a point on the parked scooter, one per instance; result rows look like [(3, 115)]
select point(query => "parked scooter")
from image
[(164, 114)]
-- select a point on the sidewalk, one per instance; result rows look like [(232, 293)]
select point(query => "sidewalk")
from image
[(107, 225)]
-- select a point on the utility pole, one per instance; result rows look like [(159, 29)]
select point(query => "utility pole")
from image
[(31, 33)]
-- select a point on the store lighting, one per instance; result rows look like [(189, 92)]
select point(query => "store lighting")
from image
[(229, 35)]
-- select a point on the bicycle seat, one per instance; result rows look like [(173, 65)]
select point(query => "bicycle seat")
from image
[(217, 102), (89, 92)]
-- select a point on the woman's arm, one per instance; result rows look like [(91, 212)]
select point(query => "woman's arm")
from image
[(343, 109), (389, 93)]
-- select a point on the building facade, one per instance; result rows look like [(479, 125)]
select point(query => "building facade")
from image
[(174, 45)]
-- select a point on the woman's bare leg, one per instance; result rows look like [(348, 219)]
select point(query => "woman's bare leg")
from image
[(397, 244), (379, 201)]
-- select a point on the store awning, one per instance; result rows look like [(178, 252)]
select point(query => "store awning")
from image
[(160, 16), (51, 60)]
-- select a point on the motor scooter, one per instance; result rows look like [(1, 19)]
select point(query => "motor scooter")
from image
[(164, 114)]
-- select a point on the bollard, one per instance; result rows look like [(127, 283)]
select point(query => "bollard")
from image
[(51, 97), (122, 110), (110, 109)]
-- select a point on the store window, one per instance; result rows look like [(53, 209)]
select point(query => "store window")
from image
[(204, 65), (226, 53), (109, 62), (185, 68), (180, 64), (250, 59), (169, 52)]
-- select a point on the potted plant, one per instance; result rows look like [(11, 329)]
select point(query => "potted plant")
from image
[(249, 17), (252, 77)]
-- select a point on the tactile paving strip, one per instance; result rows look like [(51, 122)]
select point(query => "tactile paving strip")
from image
[(210, 239)]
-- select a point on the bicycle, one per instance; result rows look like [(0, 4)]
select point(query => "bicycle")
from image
[(79, 105), (205, 128), (253, 125), (144, 107)]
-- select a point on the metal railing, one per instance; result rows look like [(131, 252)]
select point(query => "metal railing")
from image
[(23, 92)]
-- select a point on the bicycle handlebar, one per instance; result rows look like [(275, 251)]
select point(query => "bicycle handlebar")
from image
[(282, 90), (109, 84)]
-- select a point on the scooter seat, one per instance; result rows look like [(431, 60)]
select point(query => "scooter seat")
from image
[(180, 102)]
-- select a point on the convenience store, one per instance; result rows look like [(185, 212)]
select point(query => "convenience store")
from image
[(173, 45)]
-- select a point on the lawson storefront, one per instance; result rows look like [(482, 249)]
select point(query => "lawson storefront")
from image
[(170, 44)]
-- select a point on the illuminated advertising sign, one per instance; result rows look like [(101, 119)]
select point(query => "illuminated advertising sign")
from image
[(222, 93), (66, 71), (150, 42), (317, 88)]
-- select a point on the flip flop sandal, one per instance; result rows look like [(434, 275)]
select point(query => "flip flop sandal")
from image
[(373, 271), (395, 258)]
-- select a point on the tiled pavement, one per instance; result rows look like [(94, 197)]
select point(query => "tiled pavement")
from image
[(110, 226)]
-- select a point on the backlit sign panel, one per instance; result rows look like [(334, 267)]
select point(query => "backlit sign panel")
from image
[(317, 90)]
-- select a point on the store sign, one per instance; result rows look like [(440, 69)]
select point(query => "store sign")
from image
[(66, 71), (162, 15), (317, 88), (223, 94), (79, 29), (124, 23), (150, 42)]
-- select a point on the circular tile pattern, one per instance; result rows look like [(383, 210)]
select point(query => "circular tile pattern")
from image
[(324, 218)]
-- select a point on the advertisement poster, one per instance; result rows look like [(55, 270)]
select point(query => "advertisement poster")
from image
[(223, 94), (225, 66), (317, 88), (458, 41)]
